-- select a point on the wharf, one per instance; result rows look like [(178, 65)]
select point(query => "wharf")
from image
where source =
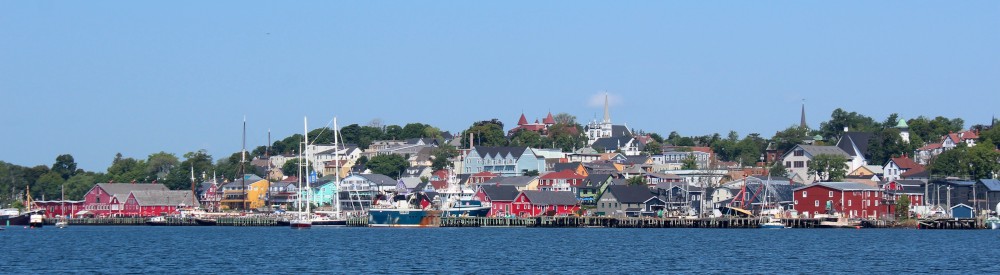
[(171, 221), (608, 222), (951, 224)]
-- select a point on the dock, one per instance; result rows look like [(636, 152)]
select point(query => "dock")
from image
[(606, 222), (952, 224), (172, 221)]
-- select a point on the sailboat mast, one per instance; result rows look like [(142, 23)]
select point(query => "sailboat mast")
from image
[(267, 155), (336, 159), (305, 127), (243, 159)]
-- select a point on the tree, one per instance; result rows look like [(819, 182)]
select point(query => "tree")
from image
[(828, 167), (983, 160), (855, 122), (885, 144), (636, 180), (778, 170), (564, 118), (291, 167), (933, 129), (442, 156), (567, 137), (393, 132), (656, 137), (787, 139), (48, 186), (527, 138), (653, 148), (65, 166), (689, 163), (413, 130), (391, 165), (159, 164), (903, 207), (487, 133), (128, 170)]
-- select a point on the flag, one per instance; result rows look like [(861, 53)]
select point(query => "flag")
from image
[(312, 177)]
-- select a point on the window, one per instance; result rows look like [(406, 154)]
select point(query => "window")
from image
[(799, 164), (796, 202), (849, 203), (876, 203), (799, 153), (816, 203), (804, 194), (788, 164), (831, 194)]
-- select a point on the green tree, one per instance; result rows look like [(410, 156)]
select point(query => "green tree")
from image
[(564, 118), (48, 186), (903, 207), (442, 156), (787, 139), (291, 167), (828, 167), (656, 137), (778, 170), (689, 163), (884, 144), (527, 138), (391, 165), (128, 170), (932, 130), (487, 133), (983, 160), (159, 164), (413, 130), (653, 148), (954, 162), (65, 166), (78, 185), (855, 122), (636, 180), (393, 132)]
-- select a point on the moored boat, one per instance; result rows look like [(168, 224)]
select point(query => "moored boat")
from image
[(157, 221), (36, 221), (206, 221), (301, 224), (773, 223)]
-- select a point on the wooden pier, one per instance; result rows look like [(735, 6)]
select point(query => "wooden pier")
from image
[(172, 221), (608, 222), (951, 224)]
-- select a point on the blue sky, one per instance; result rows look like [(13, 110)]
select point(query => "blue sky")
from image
[(95, 78)]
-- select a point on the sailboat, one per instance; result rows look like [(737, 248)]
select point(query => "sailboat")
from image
[(773, 220), (303, 220), (337, 217), (62, 223)]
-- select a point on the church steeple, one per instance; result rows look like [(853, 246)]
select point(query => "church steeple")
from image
[(607, 115), (803, 122)]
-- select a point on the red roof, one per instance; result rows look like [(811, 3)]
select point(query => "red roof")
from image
[(522, 120), (906, 163), (485, 174), (969, 135), (931, 146), (549, 120), (439, 184), (564, 174)]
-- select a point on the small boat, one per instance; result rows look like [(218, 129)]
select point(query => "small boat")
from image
[(206, 221), (62, 223), (329, 221), (301, 224), (157, 221), (36, 221), (773, 223)]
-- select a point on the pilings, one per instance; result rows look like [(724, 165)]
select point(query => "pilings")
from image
[(171, 221), (617, 222), (951, 224)]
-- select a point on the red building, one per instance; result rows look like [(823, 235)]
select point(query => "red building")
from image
[(107, 199), (852, 200), (565, 180), (912, 189), (550, 203), (482, 177), (59, 208), (500, 197), (149, 203)]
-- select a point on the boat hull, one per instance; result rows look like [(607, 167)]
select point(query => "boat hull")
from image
[(330, 223), (772, 226), (403, 218), (994, 225), (206, 222), (301, 225), (468, 212)]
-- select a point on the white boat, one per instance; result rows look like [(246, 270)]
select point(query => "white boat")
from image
[(62, 223), (773, 223), (304, 220), (994, 222)]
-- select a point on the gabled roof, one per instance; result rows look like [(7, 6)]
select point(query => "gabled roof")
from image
[(500, 192), (991, 184), (931, 146), (164, 197), (550, 197), (906, 163), (122, 190), (855, 139), (564, 174), (611, 143), (379, 179), (630, 193), (842, 186), (620, 131), (549, 119), (917, 173), (517, 181), (565, 166), (485, 151), (595, 180), (636, 159), (814, 150)]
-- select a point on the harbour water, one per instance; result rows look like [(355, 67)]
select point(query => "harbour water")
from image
[(224, 250)]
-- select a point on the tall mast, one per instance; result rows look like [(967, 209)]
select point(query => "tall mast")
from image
[(243, 159), (267, 155), (194, 193), (305, 127), (336, 159)]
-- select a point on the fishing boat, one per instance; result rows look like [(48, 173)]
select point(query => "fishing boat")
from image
[(404, 213), (205, 221), (36, 220), (993, 222)]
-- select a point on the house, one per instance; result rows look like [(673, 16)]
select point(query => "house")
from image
[(108, 199), (896, 167), (417, 171), (627, 145), (911, 189), (947, 193), (797, 161), (282, 193), (565, 180), (505, 161), (962, 211), (852, 200), (500, 197), (678, 154), (987, 195), (481, 177), (209, 195), (149, 203), (592, 186), (323, 191), (924, 154), (60, 208), (628, 200), (679, 197), (242, 193), (530, 203), (856, 146), (521, 183), (376, 182), (576, 167), (603, 168)]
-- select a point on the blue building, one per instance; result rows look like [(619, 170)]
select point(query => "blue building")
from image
[(506, 161), (962, 211)]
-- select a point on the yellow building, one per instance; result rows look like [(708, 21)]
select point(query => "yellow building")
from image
[(232, 194)]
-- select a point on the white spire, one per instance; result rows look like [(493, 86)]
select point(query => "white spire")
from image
[(607, 115)]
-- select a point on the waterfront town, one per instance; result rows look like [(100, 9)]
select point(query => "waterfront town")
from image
[(875, 173)]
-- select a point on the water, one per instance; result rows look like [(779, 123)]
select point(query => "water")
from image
[(212, 250)]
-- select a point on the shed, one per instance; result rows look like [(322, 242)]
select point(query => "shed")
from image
[(962, 211)]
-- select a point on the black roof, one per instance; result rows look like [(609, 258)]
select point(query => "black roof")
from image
[(620, 130), (859, 139), (611, 143), (631, 193), (500, 192), (550, 197), (558, 167), (594, 180), (494, 151)]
